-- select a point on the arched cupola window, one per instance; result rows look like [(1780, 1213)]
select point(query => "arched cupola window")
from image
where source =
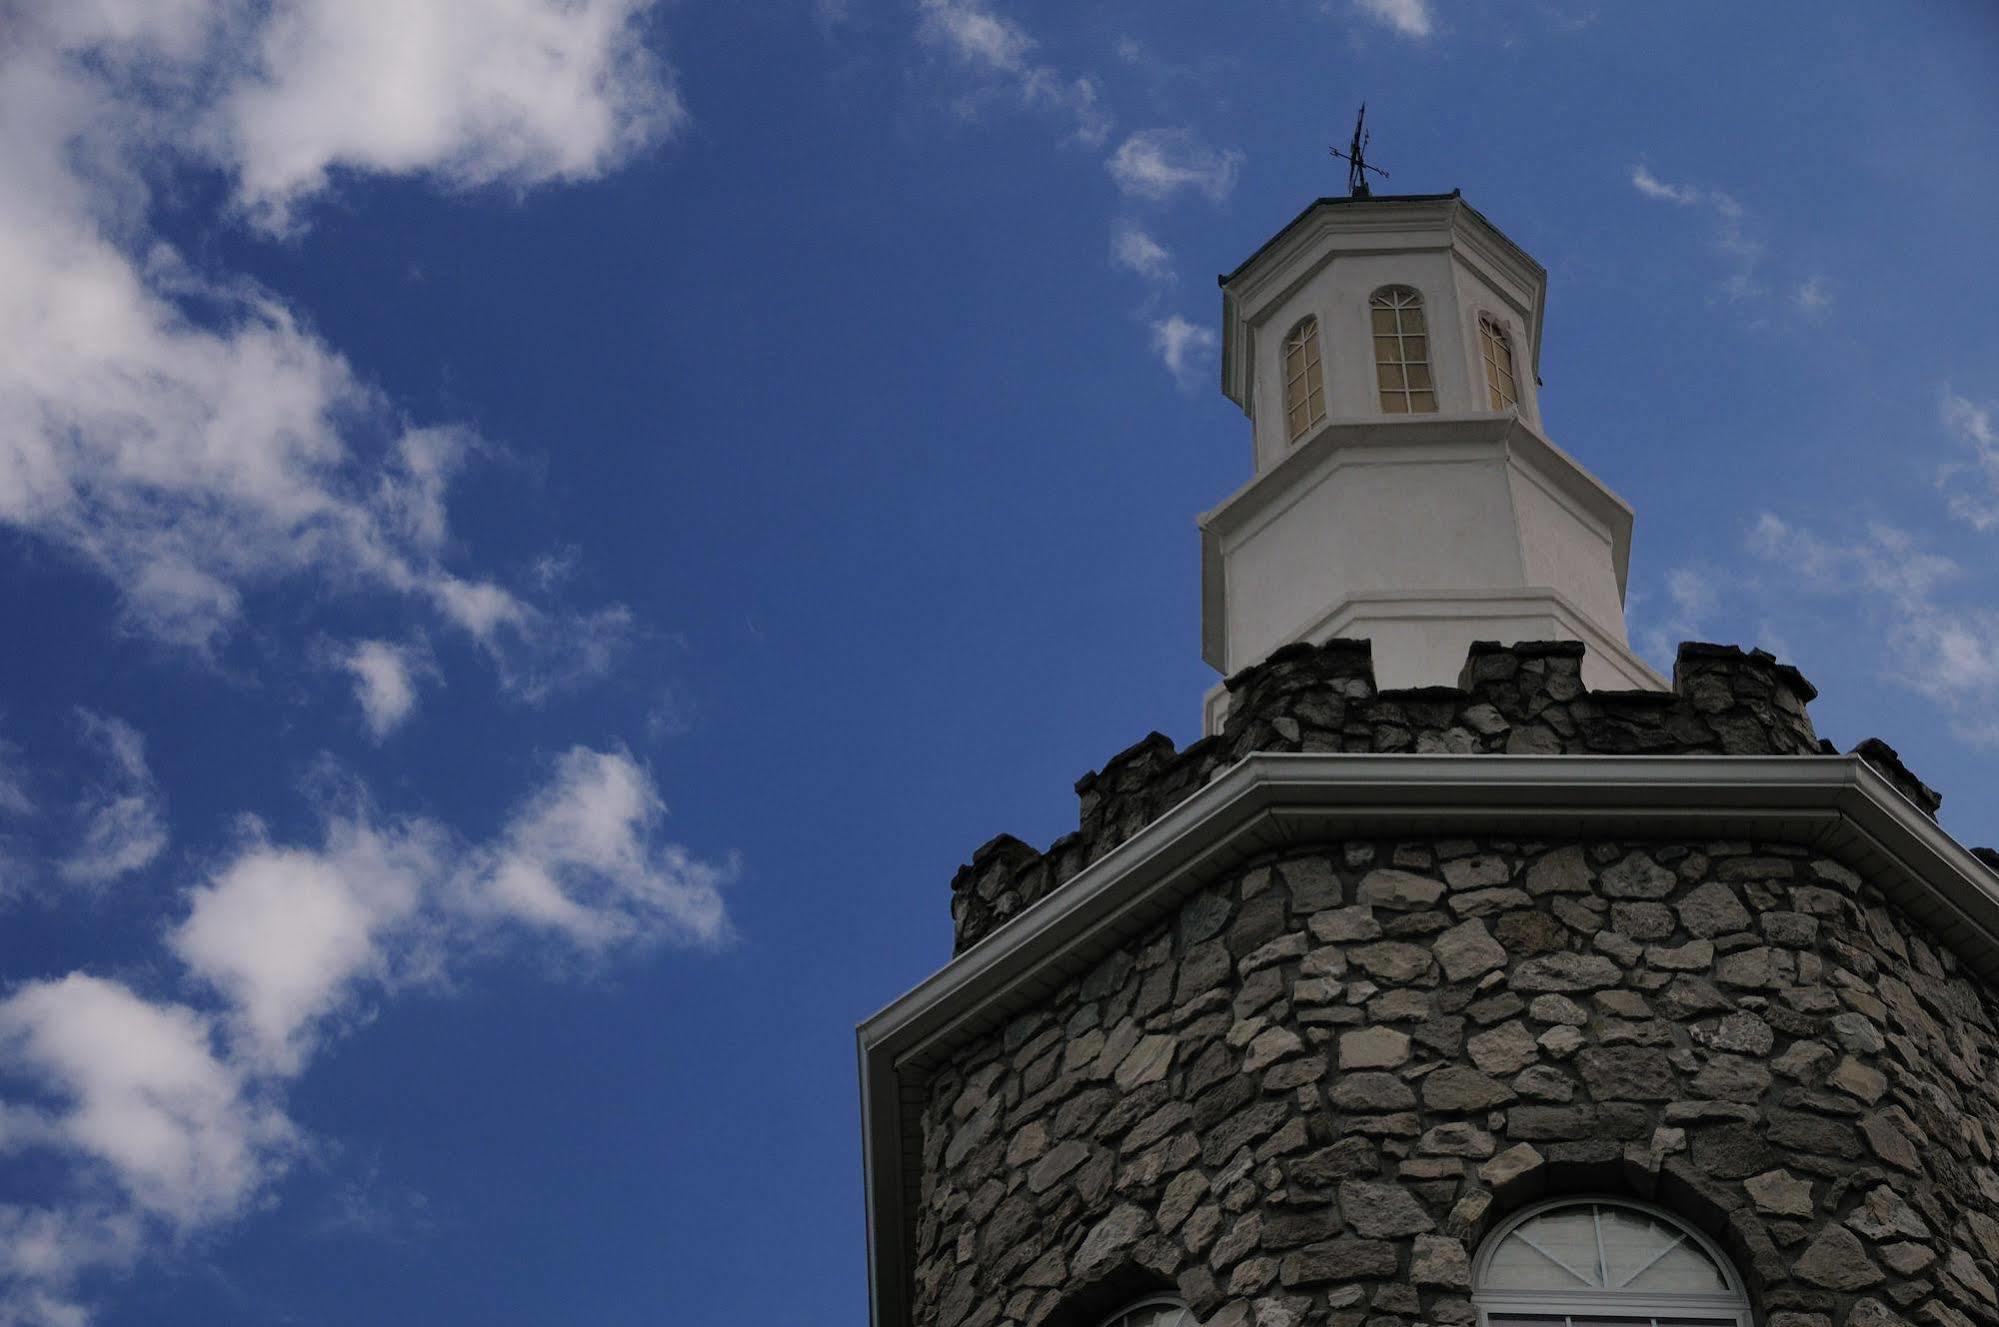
[(1599, 1263), (1304, 380), (1155, 1311), (1501, 390), (1402, 352)]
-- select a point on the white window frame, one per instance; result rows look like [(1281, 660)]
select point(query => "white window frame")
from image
[(1390, 299), (1311, 379), (1559, 1307), (1492, 330), (1123, 1317)]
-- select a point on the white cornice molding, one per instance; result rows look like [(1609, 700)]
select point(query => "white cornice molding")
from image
[(1402, 440), (1838, 805)]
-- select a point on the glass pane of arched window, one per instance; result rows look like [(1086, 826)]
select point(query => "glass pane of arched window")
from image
[(1304, 382), (1501, 389), (1602, 1249), (1402, 352)]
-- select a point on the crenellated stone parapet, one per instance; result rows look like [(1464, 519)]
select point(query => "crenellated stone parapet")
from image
[(1526, 698)]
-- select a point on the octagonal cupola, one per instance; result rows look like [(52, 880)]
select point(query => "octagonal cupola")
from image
[(1367, 307), (1386, 351)]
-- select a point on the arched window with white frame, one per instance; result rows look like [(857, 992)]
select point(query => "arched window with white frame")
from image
[(1502, 390), (1153, 1311), (1402, 352), (1304, 381), (1598, 1262)]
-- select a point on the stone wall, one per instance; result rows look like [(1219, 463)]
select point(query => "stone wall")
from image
[(1525, 698), (1305, 1098)]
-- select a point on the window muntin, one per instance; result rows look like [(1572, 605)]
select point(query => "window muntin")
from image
[(1501, 390), (1158, 1311), (1304, 380), (1595, 1263), (1402, 352)]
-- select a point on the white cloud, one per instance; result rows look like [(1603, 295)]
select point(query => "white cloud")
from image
[(124, 823), (1158, 163), (998, 49), (1410, 18), (471, 92), (136, 1090), (1973, 485), (578, 859), (182, 432), (292, 936), (1184, 347), (286, 934), (1136, 251), (168, 1116), (384, 684)]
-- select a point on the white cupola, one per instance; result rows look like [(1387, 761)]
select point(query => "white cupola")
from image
[(1385, 350)]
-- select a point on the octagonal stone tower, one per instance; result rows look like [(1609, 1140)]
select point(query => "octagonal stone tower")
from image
[(1519, 1002)]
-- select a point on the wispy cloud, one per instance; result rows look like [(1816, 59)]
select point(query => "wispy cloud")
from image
[(1156, 164), (1946, 652), (1645, 182), (1731, 238), (1812, 297), (997, 48), (123, 822), (15, 800), (1972, 486), (1408, 18), (1136, 251), (1692, 597), (1185, 348)]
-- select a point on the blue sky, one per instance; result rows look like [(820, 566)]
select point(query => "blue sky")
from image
[(539, 533)]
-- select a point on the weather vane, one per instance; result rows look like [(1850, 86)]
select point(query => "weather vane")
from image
[(1356, 158)]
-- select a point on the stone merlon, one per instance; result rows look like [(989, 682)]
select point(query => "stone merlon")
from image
[(1525, 698)]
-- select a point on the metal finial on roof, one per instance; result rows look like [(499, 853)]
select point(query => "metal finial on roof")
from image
[(1356, 158)]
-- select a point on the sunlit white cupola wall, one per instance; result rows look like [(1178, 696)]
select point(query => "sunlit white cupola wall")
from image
[(1385, 350)]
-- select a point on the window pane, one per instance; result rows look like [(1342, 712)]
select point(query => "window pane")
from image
[(1394, 403), (1416, 349), (1412, 318), (1391, 377), (1387, 350), (1419, 375), (1423, 403), (1384, 320), (1554, 1251)]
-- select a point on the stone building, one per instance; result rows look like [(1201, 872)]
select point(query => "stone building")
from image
[(1467, 971)]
